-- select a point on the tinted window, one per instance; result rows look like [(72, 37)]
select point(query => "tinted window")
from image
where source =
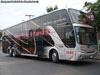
[(69, 39), (79, 17), (47, 40)]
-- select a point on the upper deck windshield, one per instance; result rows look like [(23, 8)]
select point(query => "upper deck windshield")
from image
[(80, 17), (85, 36)]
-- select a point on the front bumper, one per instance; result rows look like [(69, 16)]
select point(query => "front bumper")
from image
[(84, 56)]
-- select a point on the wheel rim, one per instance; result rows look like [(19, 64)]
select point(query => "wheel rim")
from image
[(13, 53), (10, 51), (54, 56)]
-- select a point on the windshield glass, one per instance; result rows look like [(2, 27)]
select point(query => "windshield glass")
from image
[(80, 17), (85, 36)]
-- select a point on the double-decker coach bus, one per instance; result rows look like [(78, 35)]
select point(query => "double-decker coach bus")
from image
[(65, 34)]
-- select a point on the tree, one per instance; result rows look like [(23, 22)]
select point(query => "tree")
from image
[(94, 8), (0, 34), (49, 9)]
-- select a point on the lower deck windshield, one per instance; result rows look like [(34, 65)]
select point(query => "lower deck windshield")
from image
[(85, 36)]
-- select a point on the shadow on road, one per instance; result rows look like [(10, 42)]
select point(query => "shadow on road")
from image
[(77, 63), (61, 62)]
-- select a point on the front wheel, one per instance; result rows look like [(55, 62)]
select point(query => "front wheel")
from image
[(55, 57)]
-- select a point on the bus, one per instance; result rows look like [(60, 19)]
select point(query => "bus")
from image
[(65, 34)]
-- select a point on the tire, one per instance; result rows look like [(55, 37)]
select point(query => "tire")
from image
[(10, 52), (55, 57), (14, 54)]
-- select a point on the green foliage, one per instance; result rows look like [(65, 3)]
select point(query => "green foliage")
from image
[(94, 8), (50, 9), (0, 34)]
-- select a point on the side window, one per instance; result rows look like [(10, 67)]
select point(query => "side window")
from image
[(47, 41), (69, 37), (39, 41)]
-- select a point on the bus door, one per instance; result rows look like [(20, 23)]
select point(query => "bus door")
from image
[(69, 41), (31, 42), (39, 43)]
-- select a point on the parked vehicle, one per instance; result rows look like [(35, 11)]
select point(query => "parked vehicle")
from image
[(64, 34)]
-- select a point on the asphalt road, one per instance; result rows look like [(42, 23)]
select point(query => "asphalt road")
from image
[(35, 66)]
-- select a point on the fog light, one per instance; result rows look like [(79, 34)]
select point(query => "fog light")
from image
[(91, 56)]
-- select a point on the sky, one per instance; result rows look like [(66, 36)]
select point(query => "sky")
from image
[(14, 13)]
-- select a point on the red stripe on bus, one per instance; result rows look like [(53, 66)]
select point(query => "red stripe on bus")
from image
[(17, 38), (51, 43), (43, 38), (34, 46), (69, 58), (69, 52), (18, 44)]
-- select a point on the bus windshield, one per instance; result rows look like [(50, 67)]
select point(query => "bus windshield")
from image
[(85, 36), (80, 17)]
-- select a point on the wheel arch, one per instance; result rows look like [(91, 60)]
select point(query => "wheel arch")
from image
[(51, 51), (8, 49)]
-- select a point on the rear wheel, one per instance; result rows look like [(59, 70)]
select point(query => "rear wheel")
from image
[(14, 53), (54, 56), (10, 52)]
